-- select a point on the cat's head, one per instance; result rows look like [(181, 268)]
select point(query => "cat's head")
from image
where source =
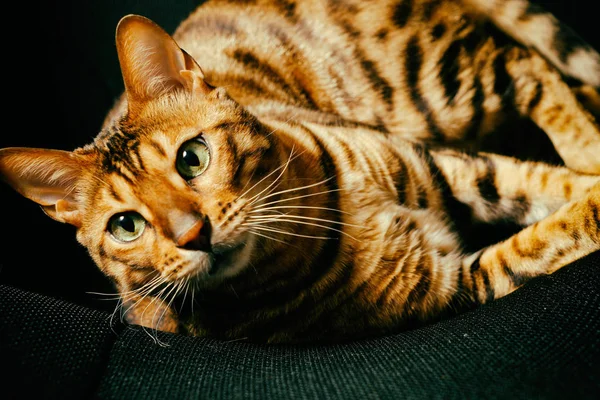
[(162, 189)]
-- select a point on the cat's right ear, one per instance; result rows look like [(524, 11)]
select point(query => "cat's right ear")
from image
[(152, 64), (48, 177)]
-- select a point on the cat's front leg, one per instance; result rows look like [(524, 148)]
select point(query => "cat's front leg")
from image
[(150, 312)]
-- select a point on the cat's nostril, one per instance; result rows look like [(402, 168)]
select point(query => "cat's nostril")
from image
[(197, 237)]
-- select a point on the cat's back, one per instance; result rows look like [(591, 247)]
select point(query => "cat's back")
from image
[(426, 70), (341, 56)]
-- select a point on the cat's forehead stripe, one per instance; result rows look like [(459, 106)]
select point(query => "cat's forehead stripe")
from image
[(119, 152), (114, 194), (158, 147)]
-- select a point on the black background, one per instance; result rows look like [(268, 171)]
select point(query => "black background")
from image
[(61, 76)]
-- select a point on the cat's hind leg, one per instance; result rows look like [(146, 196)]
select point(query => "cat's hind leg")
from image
[(570, 233), (560, 207)]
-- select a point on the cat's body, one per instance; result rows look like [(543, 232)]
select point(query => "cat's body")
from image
[(302, 199)]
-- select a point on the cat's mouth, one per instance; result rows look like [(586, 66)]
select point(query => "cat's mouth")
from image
[(222, 258), (220, 262)]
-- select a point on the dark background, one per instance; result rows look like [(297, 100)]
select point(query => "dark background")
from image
[(61, 76)]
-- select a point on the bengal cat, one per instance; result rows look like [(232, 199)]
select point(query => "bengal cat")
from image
[(287, 171)]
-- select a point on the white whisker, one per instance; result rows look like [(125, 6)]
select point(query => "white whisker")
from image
[(288, 233), (278, 217), (298, 197), (144, 290), (154, 336), (284, 166), (294, 115), (171, 286), (163, 299), (133, 291), (236, 340), (116, 296), (118, 307), (262, 209), (303, 223), (283, 169), (142, 294), (178, 287), (266, 236), (154, 298), (297, 188), (187, 288), (193, 296), (108, 296), (258, 183)]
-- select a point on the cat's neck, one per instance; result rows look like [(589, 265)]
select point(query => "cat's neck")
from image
[(299, 203)]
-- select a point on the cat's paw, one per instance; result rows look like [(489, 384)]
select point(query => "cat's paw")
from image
[(151, 313)]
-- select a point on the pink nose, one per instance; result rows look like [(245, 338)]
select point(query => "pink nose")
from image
[(197, 237)]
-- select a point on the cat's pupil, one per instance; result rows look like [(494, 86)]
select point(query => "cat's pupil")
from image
[(127, 223), (191, 158)]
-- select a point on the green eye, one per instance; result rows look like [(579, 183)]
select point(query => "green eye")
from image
[(126, 227), (193, 158)]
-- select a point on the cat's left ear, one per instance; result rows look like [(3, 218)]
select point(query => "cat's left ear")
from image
[(48, 177), (152, 64)]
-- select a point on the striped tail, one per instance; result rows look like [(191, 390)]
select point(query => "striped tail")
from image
[(534, 27)]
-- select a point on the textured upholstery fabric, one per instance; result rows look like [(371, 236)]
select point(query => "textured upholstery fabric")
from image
[(541, 342), (49, 347)]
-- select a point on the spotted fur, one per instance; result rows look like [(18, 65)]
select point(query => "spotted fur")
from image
[(339, 200)]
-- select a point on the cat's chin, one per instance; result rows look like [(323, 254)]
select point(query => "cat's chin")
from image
[(222, 262)]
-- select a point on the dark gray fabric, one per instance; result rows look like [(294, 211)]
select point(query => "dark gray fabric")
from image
[(50, 348), (541, 342)]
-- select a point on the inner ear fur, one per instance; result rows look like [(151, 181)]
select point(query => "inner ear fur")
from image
[(48, 177), (152, 64)]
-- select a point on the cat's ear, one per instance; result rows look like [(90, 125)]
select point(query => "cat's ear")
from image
[(152, 64), (47, 177)]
